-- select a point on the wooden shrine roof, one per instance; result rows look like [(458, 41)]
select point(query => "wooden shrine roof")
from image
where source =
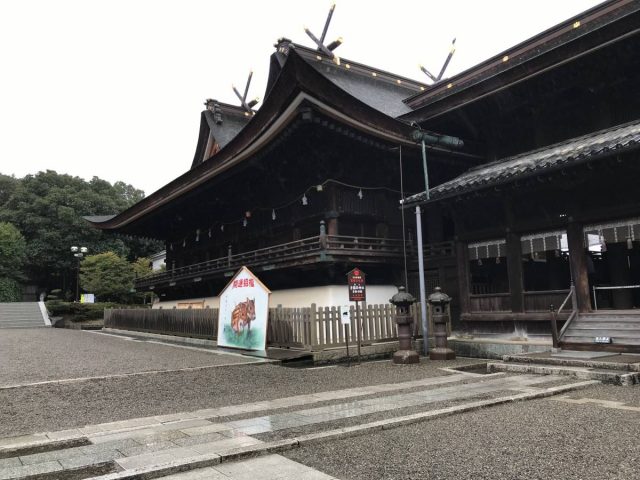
[(596, 145), (218, 126), (570, 39), (297, 85)]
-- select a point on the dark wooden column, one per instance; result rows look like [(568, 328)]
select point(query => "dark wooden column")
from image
[(578, 261), (332, 214), (514, 270), (462, 261), (617, 258)]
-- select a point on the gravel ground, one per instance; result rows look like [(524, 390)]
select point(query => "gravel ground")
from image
[(33, 355), (59, 406), (541, 439)]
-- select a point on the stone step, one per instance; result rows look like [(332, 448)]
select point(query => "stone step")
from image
[(599, 324), (615, 377), (568, 338), (600, 332), (612, 361)]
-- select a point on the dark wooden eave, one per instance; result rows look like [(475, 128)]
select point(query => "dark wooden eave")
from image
[(297, 83), (593, 29), (587, 148)]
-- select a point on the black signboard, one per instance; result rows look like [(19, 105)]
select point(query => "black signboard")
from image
[(357, 287)]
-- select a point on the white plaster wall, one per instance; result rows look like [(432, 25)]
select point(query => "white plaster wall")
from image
[(327, 296)]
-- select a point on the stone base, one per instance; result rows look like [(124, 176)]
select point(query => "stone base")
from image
[(442, 354), (405, 357)]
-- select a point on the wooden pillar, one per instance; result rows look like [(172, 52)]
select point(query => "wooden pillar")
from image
[(514, 270), (617, 258), (462, 260), (578, 262), (332, 214)]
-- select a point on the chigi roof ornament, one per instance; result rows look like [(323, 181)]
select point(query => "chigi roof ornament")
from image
[(435, 79), (248, 106), (326, 49)]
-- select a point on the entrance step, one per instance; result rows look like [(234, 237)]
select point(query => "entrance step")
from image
[(616, 369), (623, 328), (21, 315)]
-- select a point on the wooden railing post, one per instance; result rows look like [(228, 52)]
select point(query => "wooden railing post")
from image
[(313, 317), (554, 326)]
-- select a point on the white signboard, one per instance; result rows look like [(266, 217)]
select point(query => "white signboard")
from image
[(345, 314), (87, 298), (244, 309)]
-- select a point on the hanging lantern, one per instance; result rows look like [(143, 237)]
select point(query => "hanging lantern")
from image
[(244, 222), (247, 214), (305, 200), (360, 195), (198, 235), (273, 214), (209, 233), (184, 243), (319, 188)]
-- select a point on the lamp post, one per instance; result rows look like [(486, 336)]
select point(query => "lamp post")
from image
[(78, 252)]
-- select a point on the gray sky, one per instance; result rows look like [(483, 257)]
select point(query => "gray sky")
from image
[(115, 88)]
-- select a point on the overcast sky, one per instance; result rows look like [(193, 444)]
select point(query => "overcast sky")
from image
[(115, 88)]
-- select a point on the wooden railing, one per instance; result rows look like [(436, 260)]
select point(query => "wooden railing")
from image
[(491, 302), (310, 328), (370, 248), (196, 323)]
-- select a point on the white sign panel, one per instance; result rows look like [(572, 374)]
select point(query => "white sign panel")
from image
[(244, 310), (345, 314)]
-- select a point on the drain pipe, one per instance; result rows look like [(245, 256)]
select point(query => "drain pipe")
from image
[(432, 139)]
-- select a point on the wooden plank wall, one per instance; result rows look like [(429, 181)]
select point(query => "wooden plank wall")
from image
[(310, 328)]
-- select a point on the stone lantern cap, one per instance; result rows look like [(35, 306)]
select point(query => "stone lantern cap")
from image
[(439, 298), (402, 298)]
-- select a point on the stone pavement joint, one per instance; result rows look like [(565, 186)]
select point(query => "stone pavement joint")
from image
[(600, 403), (260, 449)]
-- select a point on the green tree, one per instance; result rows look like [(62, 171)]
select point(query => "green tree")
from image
[(48, 209), (13, 251), (12, 258), (108, 276)]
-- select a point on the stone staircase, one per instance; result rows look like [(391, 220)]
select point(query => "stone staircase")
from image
[(22, 315), (623, 327), (607, 367)]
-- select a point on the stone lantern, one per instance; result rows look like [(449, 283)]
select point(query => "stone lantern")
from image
[(439, 302), (402, 301)]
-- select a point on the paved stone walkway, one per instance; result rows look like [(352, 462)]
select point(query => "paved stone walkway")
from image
[(199, 438)]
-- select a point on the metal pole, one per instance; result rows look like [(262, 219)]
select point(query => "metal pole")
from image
[(424, 169), (346, 337), (78, 281), (423, 296), (358, 327)]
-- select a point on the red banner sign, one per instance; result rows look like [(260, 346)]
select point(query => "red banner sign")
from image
[(357, 286)]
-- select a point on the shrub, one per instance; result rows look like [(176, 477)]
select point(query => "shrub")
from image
[(78, 312), (10, 290)]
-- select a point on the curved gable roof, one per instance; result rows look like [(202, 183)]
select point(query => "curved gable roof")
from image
[(297, 82)]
